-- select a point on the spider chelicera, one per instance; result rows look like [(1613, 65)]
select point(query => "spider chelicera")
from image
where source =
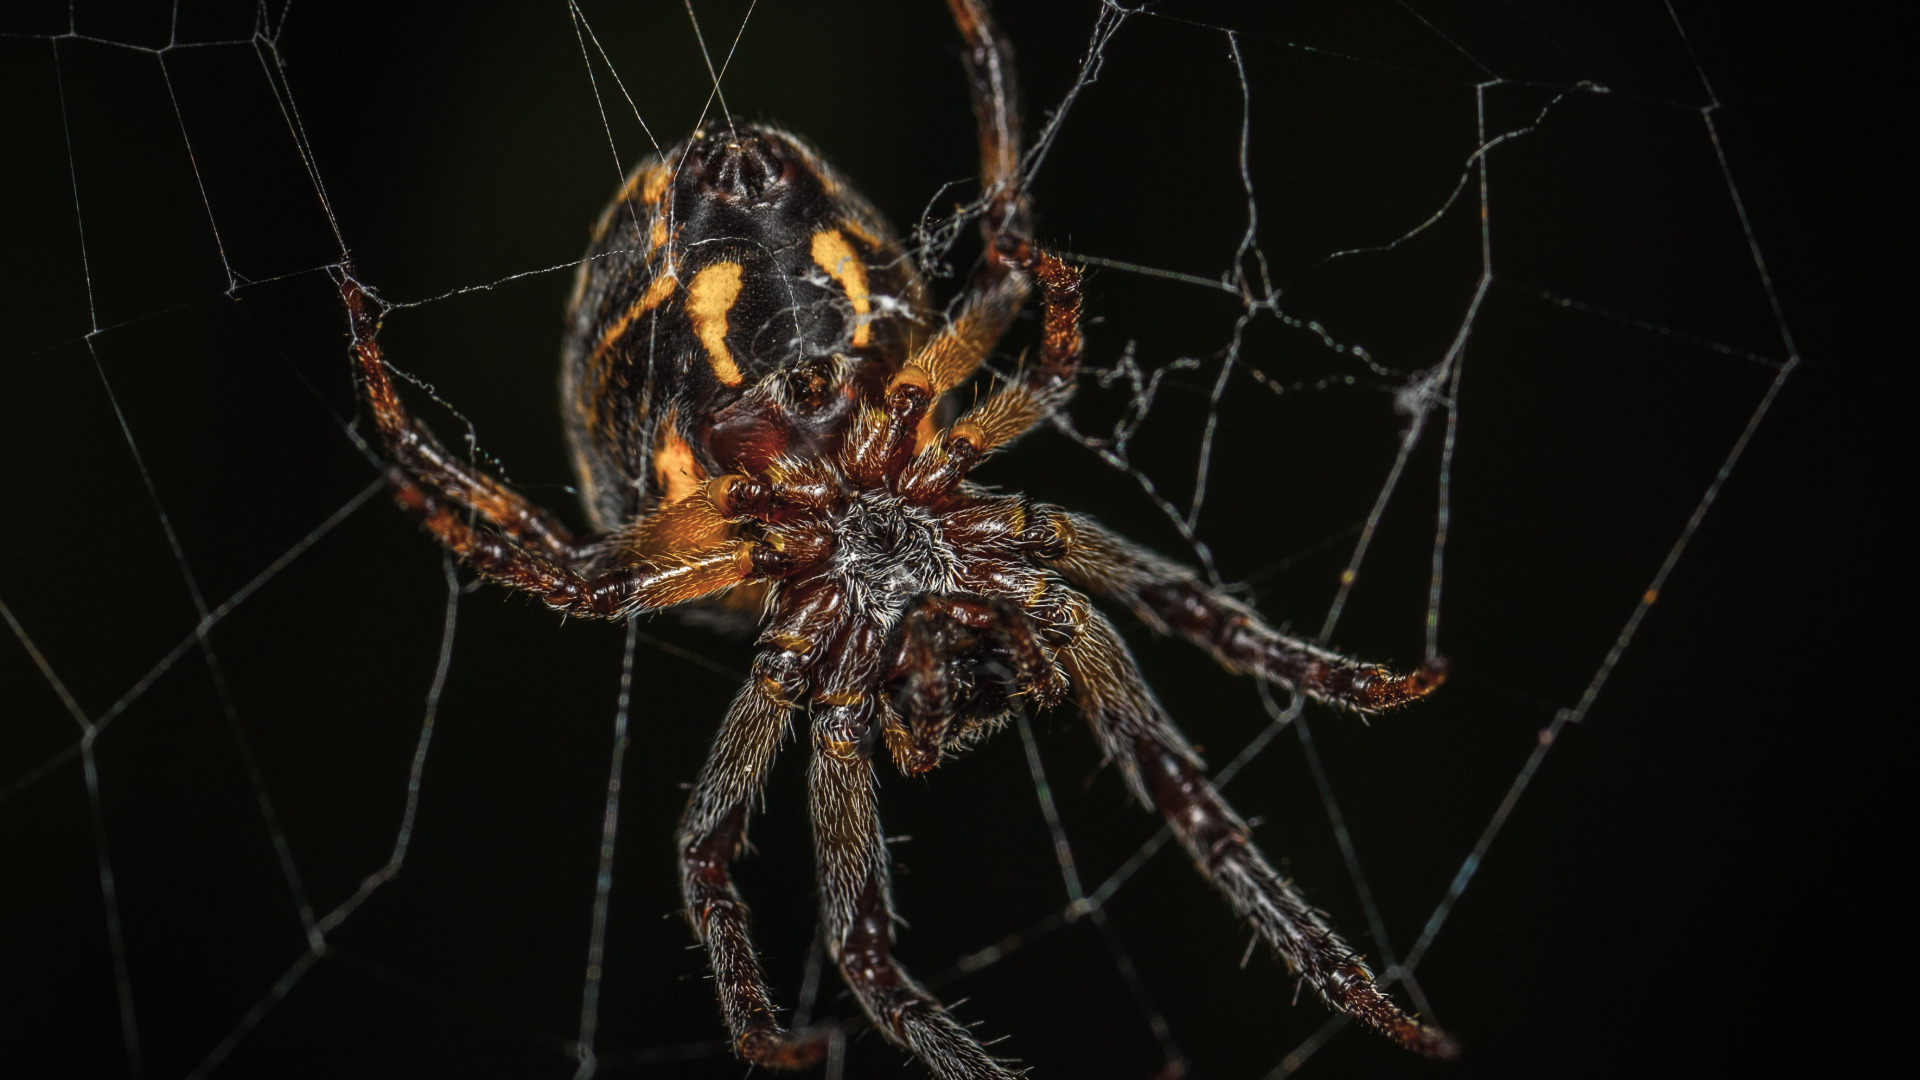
[(753, 386)]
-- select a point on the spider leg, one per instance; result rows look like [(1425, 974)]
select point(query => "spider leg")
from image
[(1001, 287), (1036, 392), (1005, 223), (412, 447), (1161, 769), (712, 833), (957, 351), (531, 551), (1039, 388), (1172, 599), (996, 108), (857, 906), (614, 594)]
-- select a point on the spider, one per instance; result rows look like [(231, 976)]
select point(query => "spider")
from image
[(755, 395)]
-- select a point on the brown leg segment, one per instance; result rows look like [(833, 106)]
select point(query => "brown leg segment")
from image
[(996, 108), (1036, 392), (1172, 599), (712, 833), (956, 352), (857, 909), (1162, 769), (1011, 260), (530, 551), (1039, 389), (413, 448), (610, 595)]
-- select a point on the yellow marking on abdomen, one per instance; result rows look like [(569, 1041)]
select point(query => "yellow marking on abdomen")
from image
[(832, 253), (709, 298), (657, 292)]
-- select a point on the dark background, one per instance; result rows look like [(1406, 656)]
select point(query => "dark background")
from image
[(1698, 876)]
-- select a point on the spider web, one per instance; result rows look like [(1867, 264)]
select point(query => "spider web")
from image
[(1433, 330)]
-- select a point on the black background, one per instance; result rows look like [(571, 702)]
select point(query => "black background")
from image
[(1698, 877)]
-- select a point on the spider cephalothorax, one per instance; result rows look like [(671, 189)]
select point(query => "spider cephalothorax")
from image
[(753, 388)]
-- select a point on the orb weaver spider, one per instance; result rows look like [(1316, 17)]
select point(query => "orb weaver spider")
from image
[(754, 388)]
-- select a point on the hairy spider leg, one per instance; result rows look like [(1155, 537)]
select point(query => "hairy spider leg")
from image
[(998, 292), (1163, 771), (1029, 397), (531, 552), (611, 594), (856, 900), (410, 445), (951, 356), (816, 647), (988, 59), (1038, 389), (712, 834), (882, 440), (1172, 599)]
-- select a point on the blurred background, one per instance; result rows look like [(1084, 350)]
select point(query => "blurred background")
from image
[(1697, 873)]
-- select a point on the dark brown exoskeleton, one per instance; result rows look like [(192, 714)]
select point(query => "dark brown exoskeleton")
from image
[(752, 386)]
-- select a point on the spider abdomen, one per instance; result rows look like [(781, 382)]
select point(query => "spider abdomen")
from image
[(738, 300)]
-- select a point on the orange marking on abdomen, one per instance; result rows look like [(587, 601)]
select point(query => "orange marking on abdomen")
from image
[(657, 179), (709, 298), (674, 469), (650, 182), (657, 292), (832, 253)]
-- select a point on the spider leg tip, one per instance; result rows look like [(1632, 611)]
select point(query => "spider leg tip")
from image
[(1384, 690), (1434, 1043), (1423, 1039), (1431, 675)]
